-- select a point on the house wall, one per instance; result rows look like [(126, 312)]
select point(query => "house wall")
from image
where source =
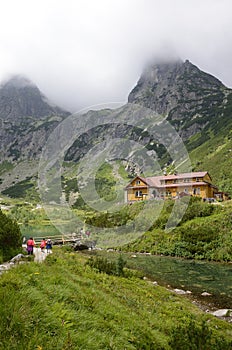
[(134, 182), (131, 194), (138, 189), (138, 186), (173, 192), (202, 191)]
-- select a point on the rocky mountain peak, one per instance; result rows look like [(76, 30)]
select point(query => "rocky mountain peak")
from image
[(17, 81), (21, 98), (164, 85), (26, 119)]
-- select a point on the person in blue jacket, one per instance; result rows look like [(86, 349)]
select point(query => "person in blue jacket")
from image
[(49, 246)]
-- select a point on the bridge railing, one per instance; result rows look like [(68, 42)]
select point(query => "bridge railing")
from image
[(60, 238)]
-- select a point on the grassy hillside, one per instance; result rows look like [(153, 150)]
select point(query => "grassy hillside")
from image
[(215, 156), (65, 304), (205, 232), (211, 149)]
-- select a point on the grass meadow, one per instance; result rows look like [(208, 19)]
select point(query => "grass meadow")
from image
[(63, 303)]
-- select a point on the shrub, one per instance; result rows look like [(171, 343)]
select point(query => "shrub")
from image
[(10, 237), (196, 336), (109, 267)]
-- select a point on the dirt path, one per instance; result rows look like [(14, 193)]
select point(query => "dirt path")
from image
[(40, 255)]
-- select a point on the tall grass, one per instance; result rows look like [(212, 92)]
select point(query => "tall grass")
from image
[(65, 304)]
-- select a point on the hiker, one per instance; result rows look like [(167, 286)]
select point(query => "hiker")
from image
[(30, 246), (49, 246), (43, 245)]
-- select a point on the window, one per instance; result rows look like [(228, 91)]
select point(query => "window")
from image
[(138, 194), (197, 190), (137, 182)]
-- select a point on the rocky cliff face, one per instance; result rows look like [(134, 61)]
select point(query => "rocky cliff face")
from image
[(26, 118), (20, 98), (188, 97)]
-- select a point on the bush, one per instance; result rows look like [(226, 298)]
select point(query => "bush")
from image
[(109, 267), (10, 238), (197, 208), (196, 336)]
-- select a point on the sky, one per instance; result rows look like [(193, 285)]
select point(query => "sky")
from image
[(86, 52)]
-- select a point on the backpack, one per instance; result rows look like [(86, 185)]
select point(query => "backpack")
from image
[(49, 244)]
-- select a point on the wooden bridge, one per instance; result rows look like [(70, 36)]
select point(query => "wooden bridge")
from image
[(75, 239)]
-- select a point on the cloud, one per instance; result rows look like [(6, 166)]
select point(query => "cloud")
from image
[(81, 53)]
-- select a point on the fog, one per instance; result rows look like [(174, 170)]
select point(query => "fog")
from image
[(82, 53)]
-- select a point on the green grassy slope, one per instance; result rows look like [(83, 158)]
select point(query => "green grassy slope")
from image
[(211, 149), (64, 304), (205, 232), (215, 156)]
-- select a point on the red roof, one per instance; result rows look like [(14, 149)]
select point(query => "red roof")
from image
[(155, 181)]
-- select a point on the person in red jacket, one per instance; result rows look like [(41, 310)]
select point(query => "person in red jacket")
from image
[(43, 244), (30, 246)]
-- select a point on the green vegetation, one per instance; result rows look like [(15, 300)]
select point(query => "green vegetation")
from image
[(105, 182), (216, 157), (122, 172), (19, 190), (69, 185), (205, 232), (10, 238), (64, 303), (5, 166), (211, 148), (171, 272), (33, 222), (101, 264)]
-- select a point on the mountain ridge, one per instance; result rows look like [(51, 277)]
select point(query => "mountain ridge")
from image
[(183, 93), (20, 98), (195, 103)]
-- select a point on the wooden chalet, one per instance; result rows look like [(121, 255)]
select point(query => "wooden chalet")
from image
[(197, 184)]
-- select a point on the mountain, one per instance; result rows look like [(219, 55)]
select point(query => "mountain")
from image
[(196, 104), (26, 118), (188, 97), (20, 98), (199, 106)]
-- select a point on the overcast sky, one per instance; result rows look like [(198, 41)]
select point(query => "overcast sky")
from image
[(81, 53)]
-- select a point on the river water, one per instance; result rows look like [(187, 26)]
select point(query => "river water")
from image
[(195, 276)]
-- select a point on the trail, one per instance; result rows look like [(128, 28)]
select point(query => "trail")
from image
[(40, 255)]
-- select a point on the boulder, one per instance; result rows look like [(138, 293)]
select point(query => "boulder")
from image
[(222, 313), (179, 291), (205, 294), (17, 258)]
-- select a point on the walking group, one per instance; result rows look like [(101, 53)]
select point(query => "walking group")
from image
[(45, 246)]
